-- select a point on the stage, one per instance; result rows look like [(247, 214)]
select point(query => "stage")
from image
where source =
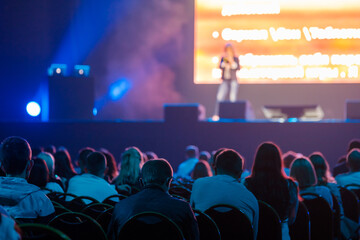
[(169, 138)]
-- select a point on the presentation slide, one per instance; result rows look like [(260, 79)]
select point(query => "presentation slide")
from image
[(279, 41)]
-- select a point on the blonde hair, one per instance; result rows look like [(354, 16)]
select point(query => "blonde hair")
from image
[(303, 171), (131, 164)]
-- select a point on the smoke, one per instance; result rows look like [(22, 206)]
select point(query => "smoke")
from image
[(144, 46)]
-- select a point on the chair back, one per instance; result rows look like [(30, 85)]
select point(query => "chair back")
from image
[(232, 223), (300, 229), (207, 227), (104, 218), (113, 199), (59, 210), (336, 217), (79, 203), (321, 216), (269, 226), (34, 231), (152, 225), (180, 191), (350, 204), (78, 226), (94, 210)]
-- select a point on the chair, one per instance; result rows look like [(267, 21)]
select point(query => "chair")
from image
[(232, 223), (355, 188), (34, 231), (180, 191), (78, 226), (207, 227), (104, 218), (321, 216), (336, 218), (113, 199), (59, 210), (350, 204), (95, 209), (300, 229), (79, 203), (269, 226), (153, 226)]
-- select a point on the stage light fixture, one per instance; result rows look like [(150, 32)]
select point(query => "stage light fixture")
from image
[(57, 69), (33, 109), (81, 70)]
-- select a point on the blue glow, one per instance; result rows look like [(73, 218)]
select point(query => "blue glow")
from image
[(118, 89), (293, 120), (33, 109), (95, 111), (57, 69), (82, 70)]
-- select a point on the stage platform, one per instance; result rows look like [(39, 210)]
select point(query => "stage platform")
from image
[(169, 139)]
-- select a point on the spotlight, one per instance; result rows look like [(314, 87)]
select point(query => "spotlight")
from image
[(57, 69), (82, 70), (33, 109)]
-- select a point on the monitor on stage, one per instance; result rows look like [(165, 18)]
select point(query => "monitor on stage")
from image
[(279, 41)]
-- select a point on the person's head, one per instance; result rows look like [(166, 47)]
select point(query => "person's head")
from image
[(288, 158), (131, 163), (39, 174), (157, 172), (353, 160), (36, 150), (321, 167), (201, 169), (204, 155), (229, 49), (63, 165), (82, 156), (229, 162), (192, 151), (268, 161), (15, 156), (112, 170), (50, 162), (96, 164), (50, 149), (355, 143), (151, 155), (303, 172)]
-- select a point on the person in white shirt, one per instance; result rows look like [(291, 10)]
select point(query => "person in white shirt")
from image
[(192, 158), (53, 184), (226, 188), (20, 199), (353, 176), (92, 183)]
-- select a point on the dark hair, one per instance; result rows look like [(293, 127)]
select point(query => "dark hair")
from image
[(156, 171), (354, 143), (112, 170), (268, 181), (201, 169), (95, 162), (230, 162), (63, 165), (39, 174), (82, 156), (192, 151), (321, 167), (288, 158), (15, 154), (151, 155), (50, 149), (353, 160), (36, 150)]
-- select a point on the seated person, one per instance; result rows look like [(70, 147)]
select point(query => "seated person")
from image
[(8, 228), (186, 167), (353, 176), (92, 182), (156, 177), (303, 171), (54, 184), (20, 199), (225, 188)]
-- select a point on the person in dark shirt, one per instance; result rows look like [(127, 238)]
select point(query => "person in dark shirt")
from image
[(156, 177)]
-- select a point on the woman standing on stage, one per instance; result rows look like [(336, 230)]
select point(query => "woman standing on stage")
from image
[(229, 65)]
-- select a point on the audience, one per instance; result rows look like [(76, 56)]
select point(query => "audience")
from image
[(186, 167), (269, 183), (151, 155), (225, 188), (204, 155), (111, 172), (353, 176), (63, 166), (131, 162), (201, 169), (54, 184), (303, 172), (8, 228), (39, 175), (341, 166), (288, 158), (81, 159), (156, 178), (20, 199), (92, 183)]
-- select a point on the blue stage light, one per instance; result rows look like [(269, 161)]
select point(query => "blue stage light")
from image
[(118, 89), (33, 109), (95, 111), (57, 69), (82, 70)]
